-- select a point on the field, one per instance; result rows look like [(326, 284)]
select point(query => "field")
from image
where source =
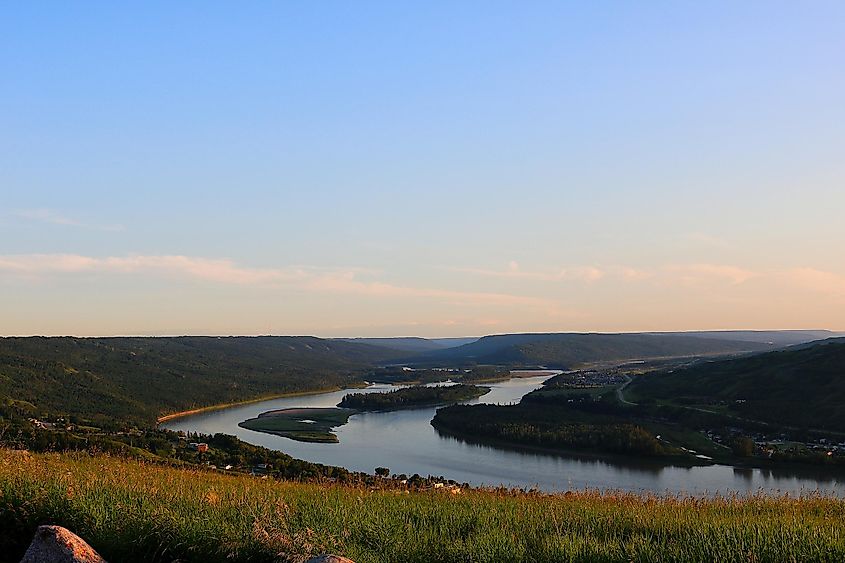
[(132, 511)]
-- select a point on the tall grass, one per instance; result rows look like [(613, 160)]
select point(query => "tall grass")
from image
[(132, 511)]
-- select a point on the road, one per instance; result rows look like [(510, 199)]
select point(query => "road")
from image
[(621, 388)]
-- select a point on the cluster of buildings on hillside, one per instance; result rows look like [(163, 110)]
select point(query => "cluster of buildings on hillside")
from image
[(767, 446), (590, 378), (200, 447), (41, 425), (57, 424)]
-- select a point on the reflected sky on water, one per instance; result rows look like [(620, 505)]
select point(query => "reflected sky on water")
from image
[(405, 442)]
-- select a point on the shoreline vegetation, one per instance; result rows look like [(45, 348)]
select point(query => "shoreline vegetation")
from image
[(402, 375), (791, 468), (319, 391), (137, 511), (550, 429), (573, 453), (413, 397)]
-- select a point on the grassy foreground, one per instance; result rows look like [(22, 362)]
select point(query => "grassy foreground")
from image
[(132, 511)]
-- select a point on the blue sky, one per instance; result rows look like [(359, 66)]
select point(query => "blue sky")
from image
[(439, 169)]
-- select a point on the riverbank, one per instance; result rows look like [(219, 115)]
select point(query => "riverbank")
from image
[(220, 406), (787, 468), (570, 453)]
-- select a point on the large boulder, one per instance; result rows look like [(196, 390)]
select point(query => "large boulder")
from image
[(54, 544), (329, 559)]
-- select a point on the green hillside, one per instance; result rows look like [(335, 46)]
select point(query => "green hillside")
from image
[(802, 386), (567, 350), (137, 379)]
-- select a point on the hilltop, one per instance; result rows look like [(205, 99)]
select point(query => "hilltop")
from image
[(412, 343), (772, 337), (568, 350)]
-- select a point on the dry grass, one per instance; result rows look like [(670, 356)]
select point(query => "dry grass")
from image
[(132, 511)]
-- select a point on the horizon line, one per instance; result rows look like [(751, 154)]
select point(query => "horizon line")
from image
[(259, 335)]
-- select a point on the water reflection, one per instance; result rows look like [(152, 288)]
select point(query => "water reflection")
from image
[(745, 473), (620, 462), (405, 442)]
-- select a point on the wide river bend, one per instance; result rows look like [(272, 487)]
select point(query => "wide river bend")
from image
[(405, 442)]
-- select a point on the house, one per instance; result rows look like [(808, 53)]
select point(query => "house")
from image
[(41, 424), (261, 469)]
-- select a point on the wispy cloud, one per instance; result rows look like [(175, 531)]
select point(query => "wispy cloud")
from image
[(346, 281), (628, 273), (513, 271), (674, 274), (687, 274), (696, 273), (55, 218), (802, 279)]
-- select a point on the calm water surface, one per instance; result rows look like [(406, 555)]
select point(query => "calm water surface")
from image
[(405, 442)]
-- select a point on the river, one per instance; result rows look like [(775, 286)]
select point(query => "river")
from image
[(405, 442)]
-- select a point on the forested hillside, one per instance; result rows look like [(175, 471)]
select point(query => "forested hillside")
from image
[(802, 386), (138, 379)]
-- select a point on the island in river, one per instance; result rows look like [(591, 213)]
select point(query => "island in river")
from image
[(317, 424), (302, 424), (411, 397)]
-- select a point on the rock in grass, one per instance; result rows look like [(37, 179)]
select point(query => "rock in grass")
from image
[(54, 544), (329, 559)]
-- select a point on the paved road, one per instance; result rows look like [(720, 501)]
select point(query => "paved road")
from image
[(621, 388)]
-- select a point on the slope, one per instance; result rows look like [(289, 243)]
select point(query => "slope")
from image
[(136, 379), (803, 386), (565, 350)]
